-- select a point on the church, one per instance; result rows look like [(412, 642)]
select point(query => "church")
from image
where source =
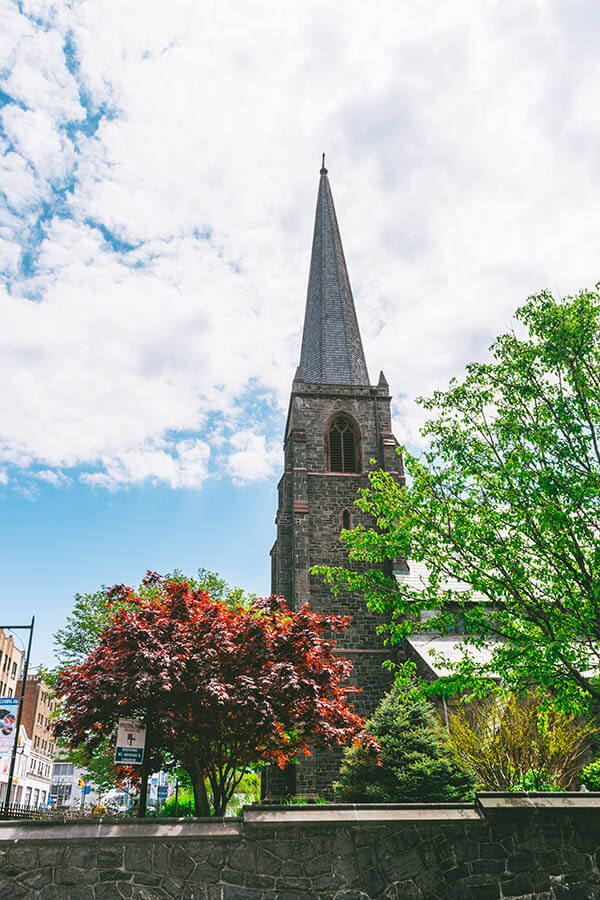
[(337, 423)]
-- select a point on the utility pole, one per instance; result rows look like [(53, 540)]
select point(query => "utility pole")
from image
[(19, 711)]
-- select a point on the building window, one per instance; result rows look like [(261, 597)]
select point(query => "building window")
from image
[(13, 673), (343, 446), (346, 519)]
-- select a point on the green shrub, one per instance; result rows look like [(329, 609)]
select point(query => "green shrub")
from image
[(415, 764), (509, 741), (185, 805), (535, 780), (590, 776)]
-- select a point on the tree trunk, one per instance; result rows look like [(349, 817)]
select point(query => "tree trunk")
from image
[(201, 805)]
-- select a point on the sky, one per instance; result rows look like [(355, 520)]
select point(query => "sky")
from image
[(158, 174)]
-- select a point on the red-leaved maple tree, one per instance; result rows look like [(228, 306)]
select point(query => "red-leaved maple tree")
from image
[(222, 687)]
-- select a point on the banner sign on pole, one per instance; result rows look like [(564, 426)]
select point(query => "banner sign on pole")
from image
[(9, 708), (131, 738)]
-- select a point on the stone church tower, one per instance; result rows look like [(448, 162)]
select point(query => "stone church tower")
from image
[(337, 422)]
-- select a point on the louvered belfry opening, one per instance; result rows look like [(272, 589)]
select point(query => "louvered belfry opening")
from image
[(343, 446)]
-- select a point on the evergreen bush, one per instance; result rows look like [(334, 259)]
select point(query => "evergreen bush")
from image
[(415, 763)]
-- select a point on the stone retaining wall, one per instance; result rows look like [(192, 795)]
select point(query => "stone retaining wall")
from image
[(506, 846)]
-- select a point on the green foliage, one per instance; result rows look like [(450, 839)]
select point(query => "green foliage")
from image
[(535, 780), (506, 499), (183, 807), (99, 765), (415, 763), (304, 800), (508, 741), (247, 791), (590, 775)]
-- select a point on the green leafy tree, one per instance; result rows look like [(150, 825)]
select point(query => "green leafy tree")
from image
[(415, 762), (507, 500), (100, 765)]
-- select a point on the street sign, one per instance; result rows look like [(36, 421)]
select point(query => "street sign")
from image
[(131, 738)]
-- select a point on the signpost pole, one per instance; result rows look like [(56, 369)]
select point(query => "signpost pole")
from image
[(19, 714), (133, 749), (145, 773)]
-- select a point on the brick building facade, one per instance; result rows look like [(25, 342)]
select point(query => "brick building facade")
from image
[(11, 660), (38, 706), (337, 422)]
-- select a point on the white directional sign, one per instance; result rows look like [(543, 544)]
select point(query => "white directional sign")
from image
[(131, 738)]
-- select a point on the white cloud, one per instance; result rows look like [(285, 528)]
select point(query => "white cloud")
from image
[(39, 142), (253, 458), (181, 465), (160, 170), (57, 479)]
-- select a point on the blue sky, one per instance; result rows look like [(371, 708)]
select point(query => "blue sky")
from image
[(75, 539), (158, 175)]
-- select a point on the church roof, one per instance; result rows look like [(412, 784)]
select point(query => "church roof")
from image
[(332, 351)]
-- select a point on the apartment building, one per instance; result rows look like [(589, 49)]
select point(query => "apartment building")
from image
[(38, 706), (11, 660), (20, 795)]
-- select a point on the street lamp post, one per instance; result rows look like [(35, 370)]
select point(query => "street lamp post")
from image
[(19, 711)]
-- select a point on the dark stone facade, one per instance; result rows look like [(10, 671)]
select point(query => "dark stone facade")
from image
[(317, 494), (435, 854), (309, 521)]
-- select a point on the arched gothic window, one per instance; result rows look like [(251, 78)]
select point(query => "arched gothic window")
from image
[(343, 446), (346, 519)]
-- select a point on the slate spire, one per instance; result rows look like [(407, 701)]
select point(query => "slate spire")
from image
[(332, 351)]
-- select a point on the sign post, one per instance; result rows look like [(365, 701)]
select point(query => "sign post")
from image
[(133, 750), (131, 741)]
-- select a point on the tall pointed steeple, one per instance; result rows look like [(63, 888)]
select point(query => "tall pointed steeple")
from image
[(332, 351), (336, 423)]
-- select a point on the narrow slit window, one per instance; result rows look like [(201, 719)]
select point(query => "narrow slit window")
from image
[(346, 519)]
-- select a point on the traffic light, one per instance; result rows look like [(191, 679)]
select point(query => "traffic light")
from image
[(81, 782)]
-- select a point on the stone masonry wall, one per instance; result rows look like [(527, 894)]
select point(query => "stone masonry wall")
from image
[(334, 853)]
